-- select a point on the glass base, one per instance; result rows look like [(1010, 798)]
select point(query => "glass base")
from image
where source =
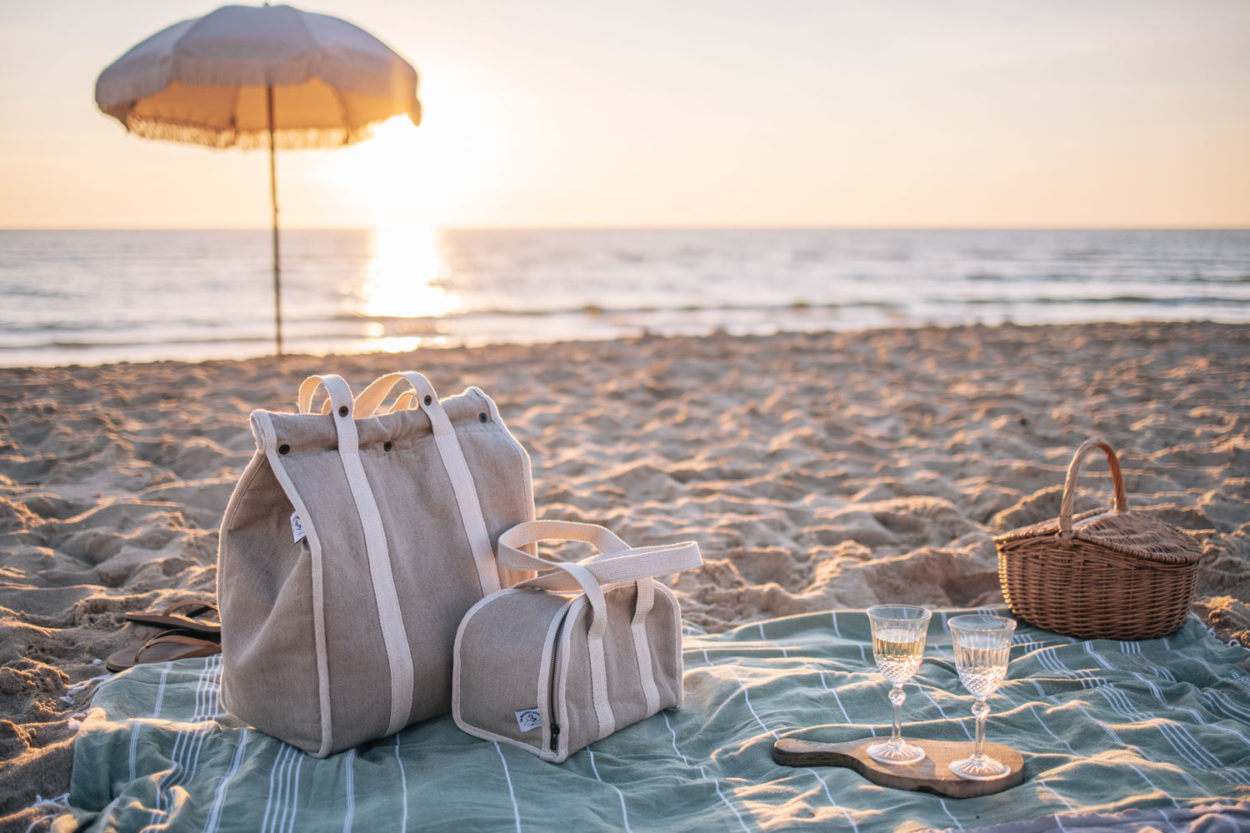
[(986, 769), (888, 753)]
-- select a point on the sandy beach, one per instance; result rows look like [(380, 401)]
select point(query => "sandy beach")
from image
[(816, 471)]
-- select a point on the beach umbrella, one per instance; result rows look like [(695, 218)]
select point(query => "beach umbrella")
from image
[(259, 77)]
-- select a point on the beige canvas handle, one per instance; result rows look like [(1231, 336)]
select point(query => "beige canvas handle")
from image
[(1074, 469), (615, 562), (309, 388), (421, 395)]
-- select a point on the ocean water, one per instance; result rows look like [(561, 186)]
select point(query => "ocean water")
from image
[(96, 296)]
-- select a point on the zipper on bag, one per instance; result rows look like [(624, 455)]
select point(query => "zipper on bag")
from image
[(554, 743)]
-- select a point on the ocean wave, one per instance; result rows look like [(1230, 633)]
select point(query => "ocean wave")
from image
[(596, 310), (1148, 300), (95, 344)]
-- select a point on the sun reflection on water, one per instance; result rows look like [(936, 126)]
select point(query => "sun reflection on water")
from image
[(406, 280)]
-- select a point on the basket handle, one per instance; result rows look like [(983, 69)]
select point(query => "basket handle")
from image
[(1074, 469)]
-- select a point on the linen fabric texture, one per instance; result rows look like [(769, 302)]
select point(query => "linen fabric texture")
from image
[(344, 634), (562, 660)]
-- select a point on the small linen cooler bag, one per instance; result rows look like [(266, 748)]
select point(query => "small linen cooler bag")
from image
[(350, 549), (560, 661)]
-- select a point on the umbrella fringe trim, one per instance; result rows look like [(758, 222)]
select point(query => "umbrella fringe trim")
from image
[(284, 138)]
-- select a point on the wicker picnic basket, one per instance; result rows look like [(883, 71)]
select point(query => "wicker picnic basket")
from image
[(1104, 574)]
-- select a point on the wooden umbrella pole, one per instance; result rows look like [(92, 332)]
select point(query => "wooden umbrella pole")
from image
[(273, 198)]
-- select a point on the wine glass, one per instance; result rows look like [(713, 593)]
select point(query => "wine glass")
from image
[(982, 649), (898, 633)]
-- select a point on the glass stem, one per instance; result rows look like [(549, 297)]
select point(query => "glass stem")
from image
[(980, 709), (897, 697)]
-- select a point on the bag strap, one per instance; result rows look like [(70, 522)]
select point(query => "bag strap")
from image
[(394, 637), (308, 390), (615, 562), (642, 645), (421, 394), (418, 385)]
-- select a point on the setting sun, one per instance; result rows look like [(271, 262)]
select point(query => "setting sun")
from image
[(408, 174)]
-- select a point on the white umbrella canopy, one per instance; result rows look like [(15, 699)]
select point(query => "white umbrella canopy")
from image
[(256, 77)]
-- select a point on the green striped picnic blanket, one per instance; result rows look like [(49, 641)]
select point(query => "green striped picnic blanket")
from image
[(1149, 730)]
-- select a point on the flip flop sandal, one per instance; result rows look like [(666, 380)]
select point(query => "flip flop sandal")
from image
[(194, 615), (163, 647)]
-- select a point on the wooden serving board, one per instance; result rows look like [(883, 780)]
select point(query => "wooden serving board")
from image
[(932, 775)]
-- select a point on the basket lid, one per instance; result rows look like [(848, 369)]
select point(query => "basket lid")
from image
[(1127, 532), (1117, 528)]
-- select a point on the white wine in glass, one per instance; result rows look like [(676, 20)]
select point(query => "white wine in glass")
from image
[(898, 636), (982, 652)]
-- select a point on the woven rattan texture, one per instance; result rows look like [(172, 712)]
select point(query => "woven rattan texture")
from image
[(1091, 591), (1117, 575)]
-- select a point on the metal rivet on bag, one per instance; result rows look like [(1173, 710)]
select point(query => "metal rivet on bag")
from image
[(386, 446), (482, 416), (428, 400), (342, 410), (284, 449)]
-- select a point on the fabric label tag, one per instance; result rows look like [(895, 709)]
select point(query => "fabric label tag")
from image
[(529, 719), (297, 528)]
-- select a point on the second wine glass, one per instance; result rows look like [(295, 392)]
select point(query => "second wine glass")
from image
[(898, 635), (982, 653)]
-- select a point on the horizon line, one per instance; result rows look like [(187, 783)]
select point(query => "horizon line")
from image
[(645, 227)]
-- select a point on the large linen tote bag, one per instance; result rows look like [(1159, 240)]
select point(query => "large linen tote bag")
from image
[(350, 549)]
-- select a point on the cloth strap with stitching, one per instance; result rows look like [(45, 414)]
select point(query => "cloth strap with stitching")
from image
[(390, 616), (616, 561)]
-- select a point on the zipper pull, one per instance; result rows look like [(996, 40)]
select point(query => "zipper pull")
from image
[(555, 737)]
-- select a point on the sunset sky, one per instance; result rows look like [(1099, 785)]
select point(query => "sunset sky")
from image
[(684, 113)]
